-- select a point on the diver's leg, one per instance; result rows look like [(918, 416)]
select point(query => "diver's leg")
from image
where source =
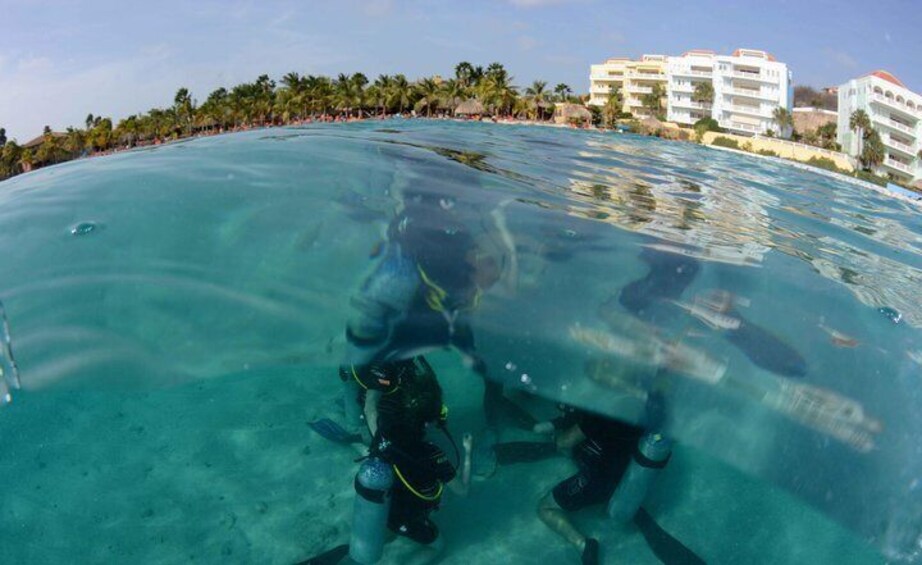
[(557, 520), (572, 494)]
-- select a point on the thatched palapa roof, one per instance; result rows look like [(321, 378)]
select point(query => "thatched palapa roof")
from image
[(33, 143), (469, 108), (572, 112)]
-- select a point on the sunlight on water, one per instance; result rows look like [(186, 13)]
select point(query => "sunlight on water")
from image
[(178, 315)]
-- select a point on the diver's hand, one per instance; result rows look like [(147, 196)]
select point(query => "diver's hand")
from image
[(543, 428), (467, 441)]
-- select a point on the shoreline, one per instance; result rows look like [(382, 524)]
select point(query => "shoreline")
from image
[(883, 191)]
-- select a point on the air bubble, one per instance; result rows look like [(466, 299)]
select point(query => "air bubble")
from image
[(510, 366), (84, 228)]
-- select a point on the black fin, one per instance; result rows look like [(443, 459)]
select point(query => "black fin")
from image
[(668, 549), (329, 557), (333, 431)]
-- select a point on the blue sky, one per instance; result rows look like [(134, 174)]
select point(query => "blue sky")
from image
[(60, 60)]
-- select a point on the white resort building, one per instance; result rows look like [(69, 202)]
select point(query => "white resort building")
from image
[(895, 113), (746, 87)]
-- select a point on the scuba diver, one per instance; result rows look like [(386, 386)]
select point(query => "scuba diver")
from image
[(439, 257), (617, 464), (401, 401)]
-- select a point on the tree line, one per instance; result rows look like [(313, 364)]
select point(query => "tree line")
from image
[(293, 99)]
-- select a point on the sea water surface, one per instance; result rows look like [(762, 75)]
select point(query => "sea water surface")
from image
[(177, 315)]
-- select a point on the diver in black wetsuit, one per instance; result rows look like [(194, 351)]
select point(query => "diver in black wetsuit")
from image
[(402, 399), (439, 258), (602, 449)]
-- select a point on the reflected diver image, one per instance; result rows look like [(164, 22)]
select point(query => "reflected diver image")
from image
[(442, 342)]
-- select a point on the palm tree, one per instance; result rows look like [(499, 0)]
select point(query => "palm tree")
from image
[(453, 93), (401, 94), (562, 91), (859, 122), (537, 95), (382, 87), (653, 101), (429, 95), (613, 106), (873, 153), (465, 74), (784, 119), (184, 109)]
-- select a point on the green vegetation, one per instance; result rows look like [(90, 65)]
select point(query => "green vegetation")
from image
[(767, 153), (859, 122), (784, 119), (705, 125), (825, 163), (722, 141), (612, 109), (263, 102), (704, 93), (653, 102), (823, 137), (805, 96), (871, 177), (873, 152)]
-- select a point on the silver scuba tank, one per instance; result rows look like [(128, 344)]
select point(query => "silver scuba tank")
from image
[(373, 485), (652, 454)]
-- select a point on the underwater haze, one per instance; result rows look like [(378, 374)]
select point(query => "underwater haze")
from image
[(177, 315)]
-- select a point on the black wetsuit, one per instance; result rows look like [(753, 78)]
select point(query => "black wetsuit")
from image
[(438, 259), (411, 398), (602, 458)]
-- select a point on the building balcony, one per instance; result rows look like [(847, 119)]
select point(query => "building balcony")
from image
[(687, 103), (750, 93), (678, 87), (751, 110), (751, 76), (899, 146), (645, 76), (639, 89), (894, 164), (886, 121), (606, 78), (890, 103), (692, 73)]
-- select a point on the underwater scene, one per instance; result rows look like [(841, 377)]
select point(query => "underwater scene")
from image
[(208, 346)]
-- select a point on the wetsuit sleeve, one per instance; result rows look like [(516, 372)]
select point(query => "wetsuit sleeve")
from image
[(384, 299)]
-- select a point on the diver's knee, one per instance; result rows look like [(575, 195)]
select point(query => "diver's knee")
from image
[(547, 506)]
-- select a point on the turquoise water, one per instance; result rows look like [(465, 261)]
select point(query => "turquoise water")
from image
[(177, 315)]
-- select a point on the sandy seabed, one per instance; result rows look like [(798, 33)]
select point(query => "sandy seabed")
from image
[(227, 470)]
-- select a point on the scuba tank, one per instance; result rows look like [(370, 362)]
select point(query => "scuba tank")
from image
[(652, 454), (373, 485)]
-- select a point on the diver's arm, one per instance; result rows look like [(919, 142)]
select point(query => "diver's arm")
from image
[(460, 485), (371, 410), (568, 438), (499, 222)]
